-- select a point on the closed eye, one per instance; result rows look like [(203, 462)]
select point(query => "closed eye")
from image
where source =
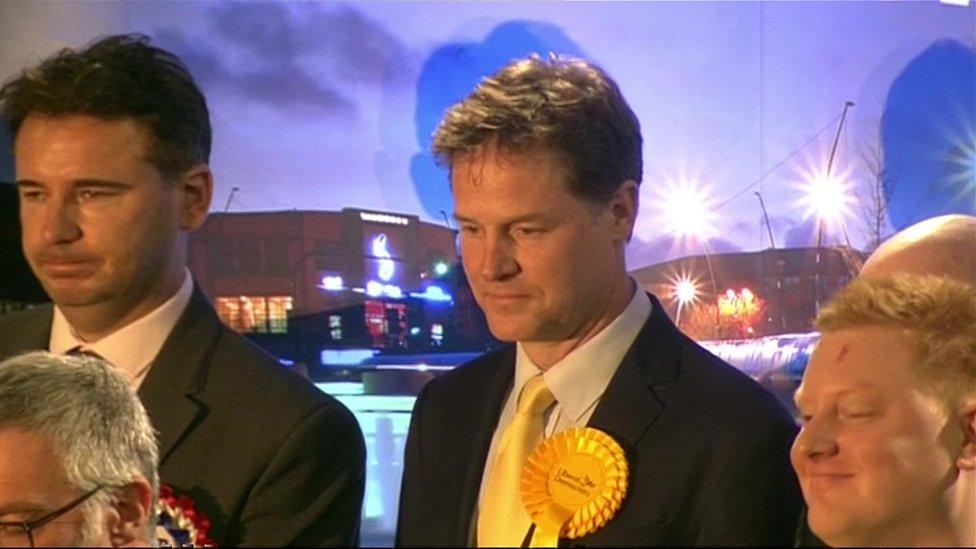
[(527, 231), (31, 195), (92, 194), (857, 414)]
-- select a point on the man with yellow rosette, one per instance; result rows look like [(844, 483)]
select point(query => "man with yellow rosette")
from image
[(602, 424)]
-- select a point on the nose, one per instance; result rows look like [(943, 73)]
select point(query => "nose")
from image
[(60, 225), (498, 259), (816, 440)]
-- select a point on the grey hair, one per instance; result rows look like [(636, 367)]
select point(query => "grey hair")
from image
[(91, 415)]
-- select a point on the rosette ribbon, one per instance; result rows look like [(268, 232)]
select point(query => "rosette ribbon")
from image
[(180, 524), (573, 484)]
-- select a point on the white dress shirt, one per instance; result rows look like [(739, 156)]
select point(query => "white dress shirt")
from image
[(578, 380), (133, 347)]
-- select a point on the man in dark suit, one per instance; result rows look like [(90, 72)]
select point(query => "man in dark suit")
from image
[(111, 149), (545, 160)]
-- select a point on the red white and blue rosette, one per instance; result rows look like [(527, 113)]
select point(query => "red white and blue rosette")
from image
[(179, 523)]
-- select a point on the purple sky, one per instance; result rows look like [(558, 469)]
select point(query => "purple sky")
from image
[(315, 105)]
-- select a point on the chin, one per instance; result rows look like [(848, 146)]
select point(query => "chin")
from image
[(72, 297), (836, 530), (505, 335), (510, 332)]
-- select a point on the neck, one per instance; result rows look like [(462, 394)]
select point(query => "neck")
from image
[(91, 323), (962, 505), (545, 354)]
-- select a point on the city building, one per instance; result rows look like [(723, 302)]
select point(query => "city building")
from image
[(298, 282)]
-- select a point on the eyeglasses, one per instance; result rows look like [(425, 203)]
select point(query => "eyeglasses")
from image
[(15, 533)]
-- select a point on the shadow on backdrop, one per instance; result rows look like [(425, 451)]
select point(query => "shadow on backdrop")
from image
[(451, 73), (928, 132), (17, 282)]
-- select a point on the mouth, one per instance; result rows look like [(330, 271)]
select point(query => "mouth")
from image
[(505, 297), (67, 268), (820, 481)]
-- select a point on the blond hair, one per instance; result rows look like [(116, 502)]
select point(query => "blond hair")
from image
[(939, 312)]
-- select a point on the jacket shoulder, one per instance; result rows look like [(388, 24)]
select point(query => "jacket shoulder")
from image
[(239, 367), (471, 375), (726, 392)]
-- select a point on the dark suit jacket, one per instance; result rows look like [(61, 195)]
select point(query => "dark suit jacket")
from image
[(266, 456), (708, 449)]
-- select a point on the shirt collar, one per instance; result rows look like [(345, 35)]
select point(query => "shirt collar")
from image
[(133, 346), (580, 378)]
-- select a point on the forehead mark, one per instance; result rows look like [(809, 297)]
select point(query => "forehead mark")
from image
[(843, 352)]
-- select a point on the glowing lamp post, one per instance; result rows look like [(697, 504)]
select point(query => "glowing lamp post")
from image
[(685, 292), (828, 198), (687, 214)]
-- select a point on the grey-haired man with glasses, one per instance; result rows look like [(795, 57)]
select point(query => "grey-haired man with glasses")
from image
[(78, 455)]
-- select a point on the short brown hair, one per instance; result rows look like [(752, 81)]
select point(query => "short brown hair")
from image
[(119, 77), (940, 312), (567, 105)]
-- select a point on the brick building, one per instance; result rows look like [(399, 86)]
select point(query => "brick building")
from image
[(300, 281)]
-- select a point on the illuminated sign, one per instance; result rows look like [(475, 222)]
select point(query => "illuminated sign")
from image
[(332, 283), (386, 266), (384, 218), (433, 293), (376, 289)]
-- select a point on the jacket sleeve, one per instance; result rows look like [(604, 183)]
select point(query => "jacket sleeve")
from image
[(311, 494), (757, 501)]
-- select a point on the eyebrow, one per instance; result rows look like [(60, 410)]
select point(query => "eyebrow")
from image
[(860, 388), (519, 219), (88, 182)]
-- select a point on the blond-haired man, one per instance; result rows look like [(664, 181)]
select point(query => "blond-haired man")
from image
[(887, 451)]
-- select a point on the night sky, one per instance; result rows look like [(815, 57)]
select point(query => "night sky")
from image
[(325, 106)]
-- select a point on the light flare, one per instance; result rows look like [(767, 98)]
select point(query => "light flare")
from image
[(686, 209), (828, 198)]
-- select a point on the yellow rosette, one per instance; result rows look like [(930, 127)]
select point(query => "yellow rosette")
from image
[(573, 484)]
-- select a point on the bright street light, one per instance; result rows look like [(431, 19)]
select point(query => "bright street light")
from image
[(686, 210), (684, 290), (961, 180), (827, 198)]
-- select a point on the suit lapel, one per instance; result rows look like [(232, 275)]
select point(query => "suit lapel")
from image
[(178, 373), (629, 405), (475, 425)]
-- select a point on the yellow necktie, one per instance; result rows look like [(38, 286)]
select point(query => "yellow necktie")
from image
[(502, 521)]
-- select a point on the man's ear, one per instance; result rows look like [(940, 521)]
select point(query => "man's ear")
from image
[(623, 209), (134, 512), (967, 421), (196, 192)]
